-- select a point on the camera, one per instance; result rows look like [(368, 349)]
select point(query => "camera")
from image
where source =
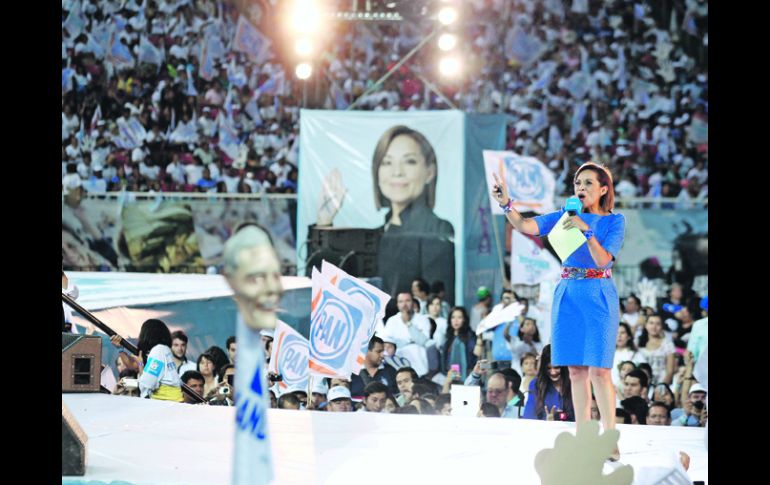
[(699, 405), (129, 384), (225, 391), (485, 365), (274, 377)]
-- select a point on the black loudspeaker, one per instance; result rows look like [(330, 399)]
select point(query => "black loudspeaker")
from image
[(352, 250), (73, 444)]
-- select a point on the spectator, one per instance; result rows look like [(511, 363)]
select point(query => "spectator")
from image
[(625, 350), (231, 346), (374, 370), (405, 378), (339, 400), (658, 351), (159, 379), (550, 394), (635, 383), (179, 350), (194, 380), (207, 369), (658, 414), (503, 392), (636, 407), (374, 397), (410, 331), (460, 342)]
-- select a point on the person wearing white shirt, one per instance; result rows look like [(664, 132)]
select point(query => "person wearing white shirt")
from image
[(410, 332), (176, 170)]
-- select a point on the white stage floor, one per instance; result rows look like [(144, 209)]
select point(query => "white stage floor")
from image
[(144, 441)]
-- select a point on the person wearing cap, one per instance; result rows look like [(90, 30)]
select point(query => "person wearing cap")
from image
[(584, 319), (482, 307), (339, 400), (692, 408)]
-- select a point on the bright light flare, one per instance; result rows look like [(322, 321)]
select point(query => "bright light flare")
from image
[(449, 66), (304, 70), (447, 15), (303, 47), (447, 42)]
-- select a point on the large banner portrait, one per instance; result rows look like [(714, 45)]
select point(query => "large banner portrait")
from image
[(399, 177)]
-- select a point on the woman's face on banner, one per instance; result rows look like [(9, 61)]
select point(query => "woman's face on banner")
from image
[(403, 173)]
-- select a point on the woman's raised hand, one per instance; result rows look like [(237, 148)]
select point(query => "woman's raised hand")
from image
[(330, 198), (500, 189)]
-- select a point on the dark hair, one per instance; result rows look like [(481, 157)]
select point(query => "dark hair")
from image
[(230, 340), (442, 400), (422, 285), (528, 355), (511, 376), (645, 336), (179, 335), (630, 343), (220, 357), (222, 370), (607, 201), (437, 287), (463, 333), (660, 405), (641, 375), (406, 409), (411, 372), (379, 154), (543, 383), (489, 410), (646, 368), (421, 389), (637, 406), (192, 374), (128, 373), (374, 387), (153, 332), (622, 413), (208, 357), (536, 337), (287, 398), (425, 406), (374, 341)]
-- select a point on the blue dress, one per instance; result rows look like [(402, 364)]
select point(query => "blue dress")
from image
[(585, 313)]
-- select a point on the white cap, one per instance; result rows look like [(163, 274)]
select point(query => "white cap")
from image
[(623, 152), (319, 386), (338, 392), (697, 387)]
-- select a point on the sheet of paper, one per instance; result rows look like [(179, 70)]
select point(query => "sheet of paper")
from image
[(565, 242)]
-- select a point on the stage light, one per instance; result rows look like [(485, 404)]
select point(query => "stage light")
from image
[(304, 70), (449, 66), (303, 47), (305, 17), (447, 42), (447, 15)]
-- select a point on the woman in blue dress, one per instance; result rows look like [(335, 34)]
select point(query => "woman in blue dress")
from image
[(585, 310)]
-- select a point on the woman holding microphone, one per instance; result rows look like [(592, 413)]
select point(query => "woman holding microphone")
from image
[(585, 311)]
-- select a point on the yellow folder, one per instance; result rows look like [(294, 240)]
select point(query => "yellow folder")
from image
[(565, 242)]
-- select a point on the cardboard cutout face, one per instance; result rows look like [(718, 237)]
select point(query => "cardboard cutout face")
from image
[(256, 283)]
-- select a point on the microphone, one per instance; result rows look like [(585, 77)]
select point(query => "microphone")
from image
[(573, 206)]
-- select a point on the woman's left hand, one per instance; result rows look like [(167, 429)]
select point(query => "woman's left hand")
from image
[(575, 221)]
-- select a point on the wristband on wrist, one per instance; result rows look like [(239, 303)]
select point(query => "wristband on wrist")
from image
[(507, 206), (588, 234)]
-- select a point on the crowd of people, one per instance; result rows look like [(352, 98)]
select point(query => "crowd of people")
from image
[(621, 82), (418, 353)]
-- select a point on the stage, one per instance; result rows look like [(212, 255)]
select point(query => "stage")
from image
[(140, 441)]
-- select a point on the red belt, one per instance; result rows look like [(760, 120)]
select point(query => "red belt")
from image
[(573, 273)]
